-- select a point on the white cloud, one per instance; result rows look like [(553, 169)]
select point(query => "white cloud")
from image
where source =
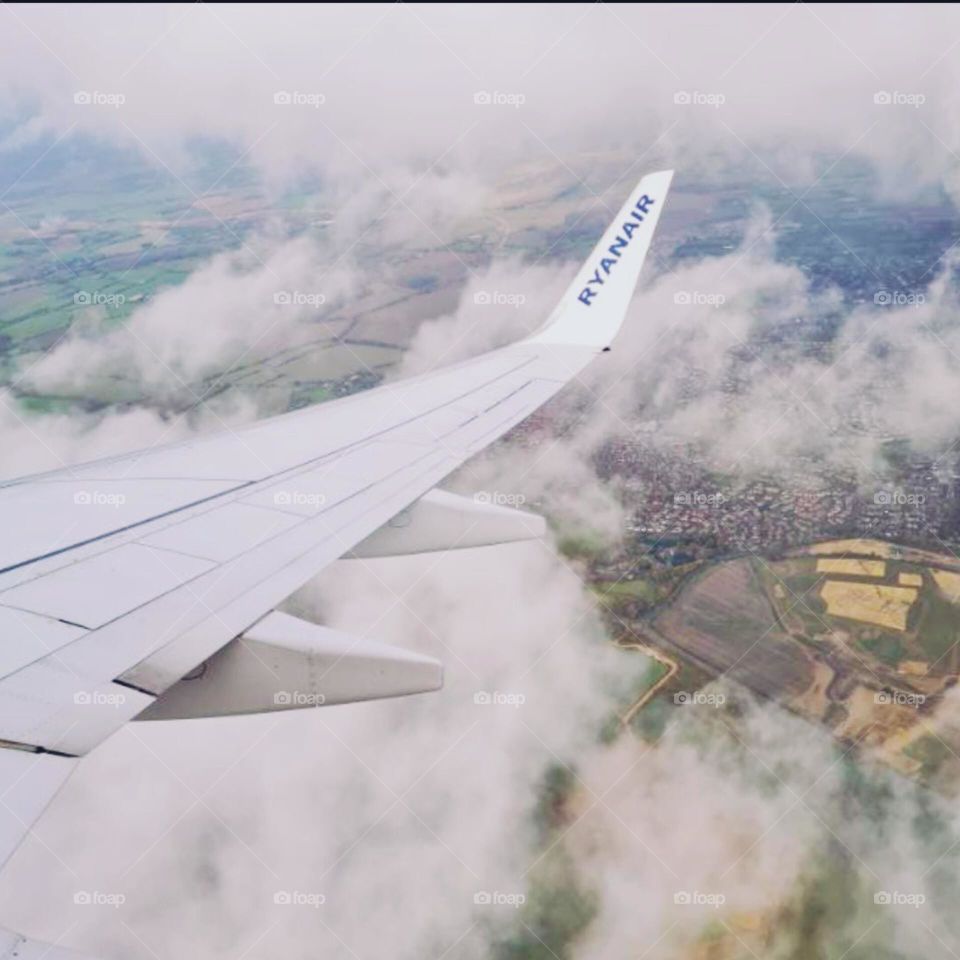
[(399, 84), (302, 806)]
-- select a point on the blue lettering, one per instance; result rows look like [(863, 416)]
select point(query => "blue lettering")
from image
[(620, 243)]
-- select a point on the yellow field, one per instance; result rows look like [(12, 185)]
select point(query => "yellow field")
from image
[(869, 548), (949, 583), (913, 668), (868, 602), (854, 568), (910, 580)]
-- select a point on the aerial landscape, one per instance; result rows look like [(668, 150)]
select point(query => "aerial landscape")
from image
[(713, 714)]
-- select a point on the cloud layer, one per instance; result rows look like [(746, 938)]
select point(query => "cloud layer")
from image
[(378, 92), (399, 813)]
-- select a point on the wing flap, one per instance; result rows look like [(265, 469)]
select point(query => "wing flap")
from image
[(52, 516), (223, 533), (28, 637), (108, 585)]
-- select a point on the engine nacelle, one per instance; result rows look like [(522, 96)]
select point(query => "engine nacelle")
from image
[(446, 521), (284, 663)]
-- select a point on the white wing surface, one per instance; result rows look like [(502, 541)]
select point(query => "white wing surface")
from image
[(145, 585)]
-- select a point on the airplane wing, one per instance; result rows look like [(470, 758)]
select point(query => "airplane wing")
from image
[(144, 586)]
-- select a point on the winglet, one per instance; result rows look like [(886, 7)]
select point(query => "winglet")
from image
[(591, 311)]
